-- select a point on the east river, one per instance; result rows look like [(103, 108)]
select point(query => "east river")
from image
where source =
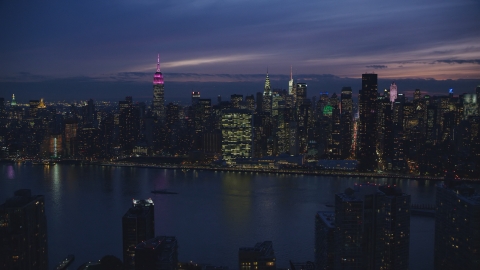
[(213, 214)]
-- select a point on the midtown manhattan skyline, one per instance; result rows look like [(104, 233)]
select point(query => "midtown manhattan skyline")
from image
[(110, 49)]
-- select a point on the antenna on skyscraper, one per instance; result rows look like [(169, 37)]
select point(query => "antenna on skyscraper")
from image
[(158, 63)]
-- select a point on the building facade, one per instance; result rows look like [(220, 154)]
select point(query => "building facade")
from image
[(237, 132), (457, 227), (138, 225), (23, 232)]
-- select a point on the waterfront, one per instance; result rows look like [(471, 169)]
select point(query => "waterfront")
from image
[(213, 214)]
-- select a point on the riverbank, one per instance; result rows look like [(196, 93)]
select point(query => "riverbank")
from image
[(283, 171)]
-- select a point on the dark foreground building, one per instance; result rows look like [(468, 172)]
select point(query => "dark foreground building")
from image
[(259, 257), (372, 228), (23, 232), (138, 225), (324, 240), (159, 253), (457, 227)]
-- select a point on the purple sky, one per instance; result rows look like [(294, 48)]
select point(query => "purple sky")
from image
[(111, 45)]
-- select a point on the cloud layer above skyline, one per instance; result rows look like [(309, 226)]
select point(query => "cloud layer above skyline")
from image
[(119, 40)]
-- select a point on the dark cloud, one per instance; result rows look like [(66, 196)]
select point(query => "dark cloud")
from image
[(459, 61), (377, 66)]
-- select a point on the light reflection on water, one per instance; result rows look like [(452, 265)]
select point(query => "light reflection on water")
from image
[(10, 172), (213, 214)]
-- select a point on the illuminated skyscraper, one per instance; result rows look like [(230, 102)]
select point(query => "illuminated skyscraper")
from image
[(138, 224), (237, 134), (158, 106), (291, 84), (23, 232), (236, 101), (13, 102), (267, 96), (267, 89), (393, 92)]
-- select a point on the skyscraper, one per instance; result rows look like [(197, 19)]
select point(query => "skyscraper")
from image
[(291, 84), (138, 224), (267, 96), (457, 227), (158, 106), (128, 122), (393, 92), (324, 240), (300, 93), (367, 109), (346, 121), (237, 131), (13, 102), (23, 232), (195, 97), (372, 228)]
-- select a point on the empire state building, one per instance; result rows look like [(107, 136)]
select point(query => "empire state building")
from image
[(158, 106)]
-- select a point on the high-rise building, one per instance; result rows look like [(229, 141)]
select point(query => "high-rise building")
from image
[(267, 96), (71, 128), (477, 91), (367, 109), (346, 121), (138, 225), (158, 105), (457, 227), (159, 253), (237, 131), (324, 240), (128, 124), (195, 97), (34, 107), (2, 107), (291, 84), (259, 257), (393, 92), (267, 91), (250, 103), (23, 232), (372, 228), (13, 102), (236, 101), (300, 93)]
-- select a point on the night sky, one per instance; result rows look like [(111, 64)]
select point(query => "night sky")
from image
[(108, 49)]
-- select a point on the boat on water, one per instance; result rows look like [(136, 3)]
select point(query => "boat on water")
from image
[(163, 191), (63, 265)]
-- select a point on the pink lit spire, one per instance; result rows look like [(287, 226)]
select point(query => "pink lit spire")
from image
[(158, 77)]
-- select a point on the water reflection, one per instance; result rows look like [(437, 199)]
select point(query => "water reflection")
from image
[(10, 172)]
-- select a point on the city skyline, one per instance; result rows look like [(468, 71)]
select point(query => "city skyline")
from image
[(109, 50)]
